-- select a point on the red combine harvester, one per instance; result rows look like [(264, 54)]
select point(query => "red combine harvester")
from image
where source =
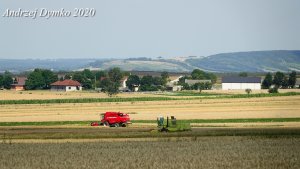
[(113, 119)]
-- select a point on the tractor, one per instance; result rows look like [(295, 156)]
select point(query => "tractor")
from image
[(113, 119)]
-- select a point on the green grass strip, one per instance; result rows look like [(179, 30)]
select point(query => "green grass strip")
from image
[(87, 123), (138, 99)]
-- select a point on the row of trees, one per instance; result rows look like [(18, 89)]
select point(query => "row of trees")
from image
[(279, 80), (108, 81), (148, 83)]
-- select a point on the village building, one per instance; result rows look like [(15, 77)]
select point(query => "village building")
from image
[(19, 84), (66, 85), (236, 83), (123, 86), (172, 84)]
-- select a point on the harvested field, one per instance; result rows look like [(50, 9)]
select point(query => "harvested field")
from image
[(264, 107), (47, 94), (203, 152), (253, 91)]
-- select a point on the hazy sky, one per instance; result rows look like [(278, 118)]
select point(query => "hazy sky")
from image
[(149, 28)]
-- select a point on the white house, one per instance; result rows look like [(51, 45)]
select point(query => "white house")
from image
[(235, 83), (66, 85)]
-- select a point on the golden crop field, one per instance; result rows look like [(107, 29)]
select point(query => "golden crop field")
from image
[(231, 108), (47, 94)]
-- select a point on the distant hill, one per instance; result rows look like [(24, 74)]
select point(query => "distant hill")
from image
[(259, 61), (256, 61), (20, 65)]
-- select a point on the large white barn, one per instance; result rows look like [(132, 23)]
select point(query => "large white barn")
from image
[(235, 83)]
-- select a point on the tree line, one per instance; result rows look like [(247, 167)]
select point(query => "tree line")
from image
[(108, 80), (280, 80)]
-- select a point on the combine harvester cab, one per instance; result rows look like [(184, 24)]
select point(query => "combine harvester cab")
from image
[(113, 119)]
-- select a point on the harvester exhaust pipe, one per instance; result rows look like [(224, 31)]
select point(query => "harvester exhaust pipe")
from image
[(167, 121)]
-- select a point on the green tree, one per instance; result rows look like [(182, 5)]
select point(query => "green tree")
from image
[(1, 81), (267, 82), (111, 84), (7, 80), (212, 77), (273, 90), (88, 74), (81, 78), (201, 75), (243, 74), (109, 87), (115, 75), (68, 76), (285, 83), (147, 83), (35, 80), (198, 74), (78, 77), (165, 78), (158, 81), (292, 79), (132, 81), (100, 74), (278, 79), (207, 86), (49, 77), (147, 80), (199, 86)]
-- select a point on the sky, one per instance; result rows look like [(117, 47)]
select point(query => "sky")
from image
[(148, 28)]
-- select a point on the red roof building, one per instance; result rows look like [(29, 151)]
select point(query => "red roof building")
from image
[(66, 85), (19, 84)]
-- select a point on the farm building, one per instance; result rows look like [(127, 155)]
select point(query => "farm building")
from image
[(66, 85), (172, 84), (173, 80), (19, 84), (191, 82), (123, 86), (233, 83)]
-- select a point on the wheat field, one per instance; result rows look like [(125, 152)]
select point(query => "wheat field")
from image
[(265, 107)]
